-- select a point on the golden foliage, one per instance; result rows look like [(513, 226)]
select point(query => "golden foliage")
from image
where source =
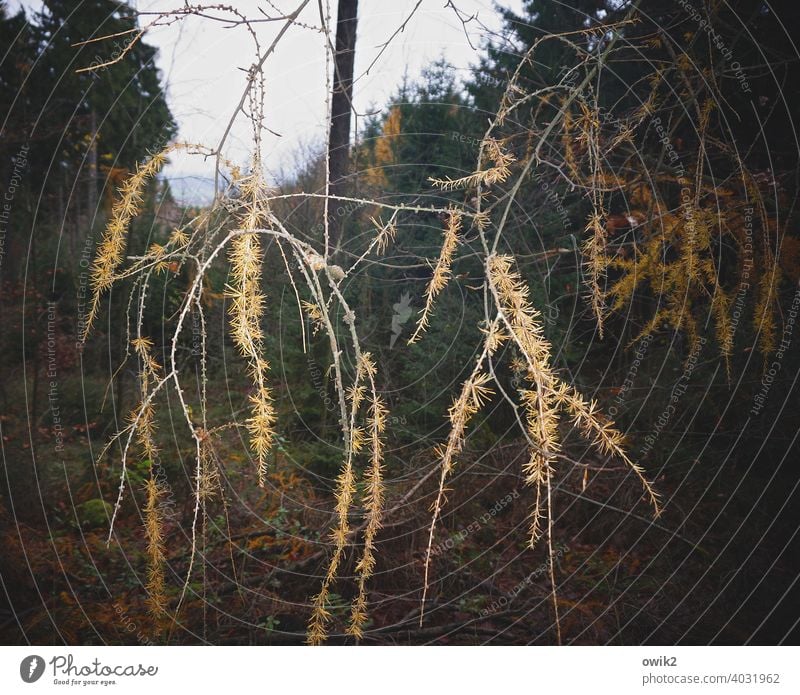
[(525, 326), (156, 586), (441, 271), (384, 149), (153, 518), (345, 492), (500, 170), (246, 311), (373, 501), (678, 227), (111, 251), (474, 393)]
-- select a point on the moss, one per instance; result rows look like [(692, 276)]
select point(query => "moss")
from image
[(94, 513)]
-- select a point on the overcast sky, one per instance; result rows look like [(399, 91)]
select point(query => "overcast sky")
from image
[(202, 64)]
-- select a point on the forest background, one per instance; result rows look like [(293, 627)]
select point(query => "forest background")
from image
[(684, 335)]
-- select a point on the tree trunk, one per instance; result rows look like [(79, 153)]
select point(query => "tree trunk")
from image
[(341, 107)]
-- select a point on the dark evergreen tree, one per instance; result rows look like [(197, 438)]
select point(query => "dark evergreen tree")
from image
[(82, 129)]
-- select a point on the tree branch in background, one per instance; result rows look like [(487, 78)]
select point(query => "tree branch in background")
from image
[(341, 107)]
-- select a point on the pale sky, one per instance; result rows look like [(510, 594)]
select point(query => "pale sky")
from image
[(203, 66), (200, 61)]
